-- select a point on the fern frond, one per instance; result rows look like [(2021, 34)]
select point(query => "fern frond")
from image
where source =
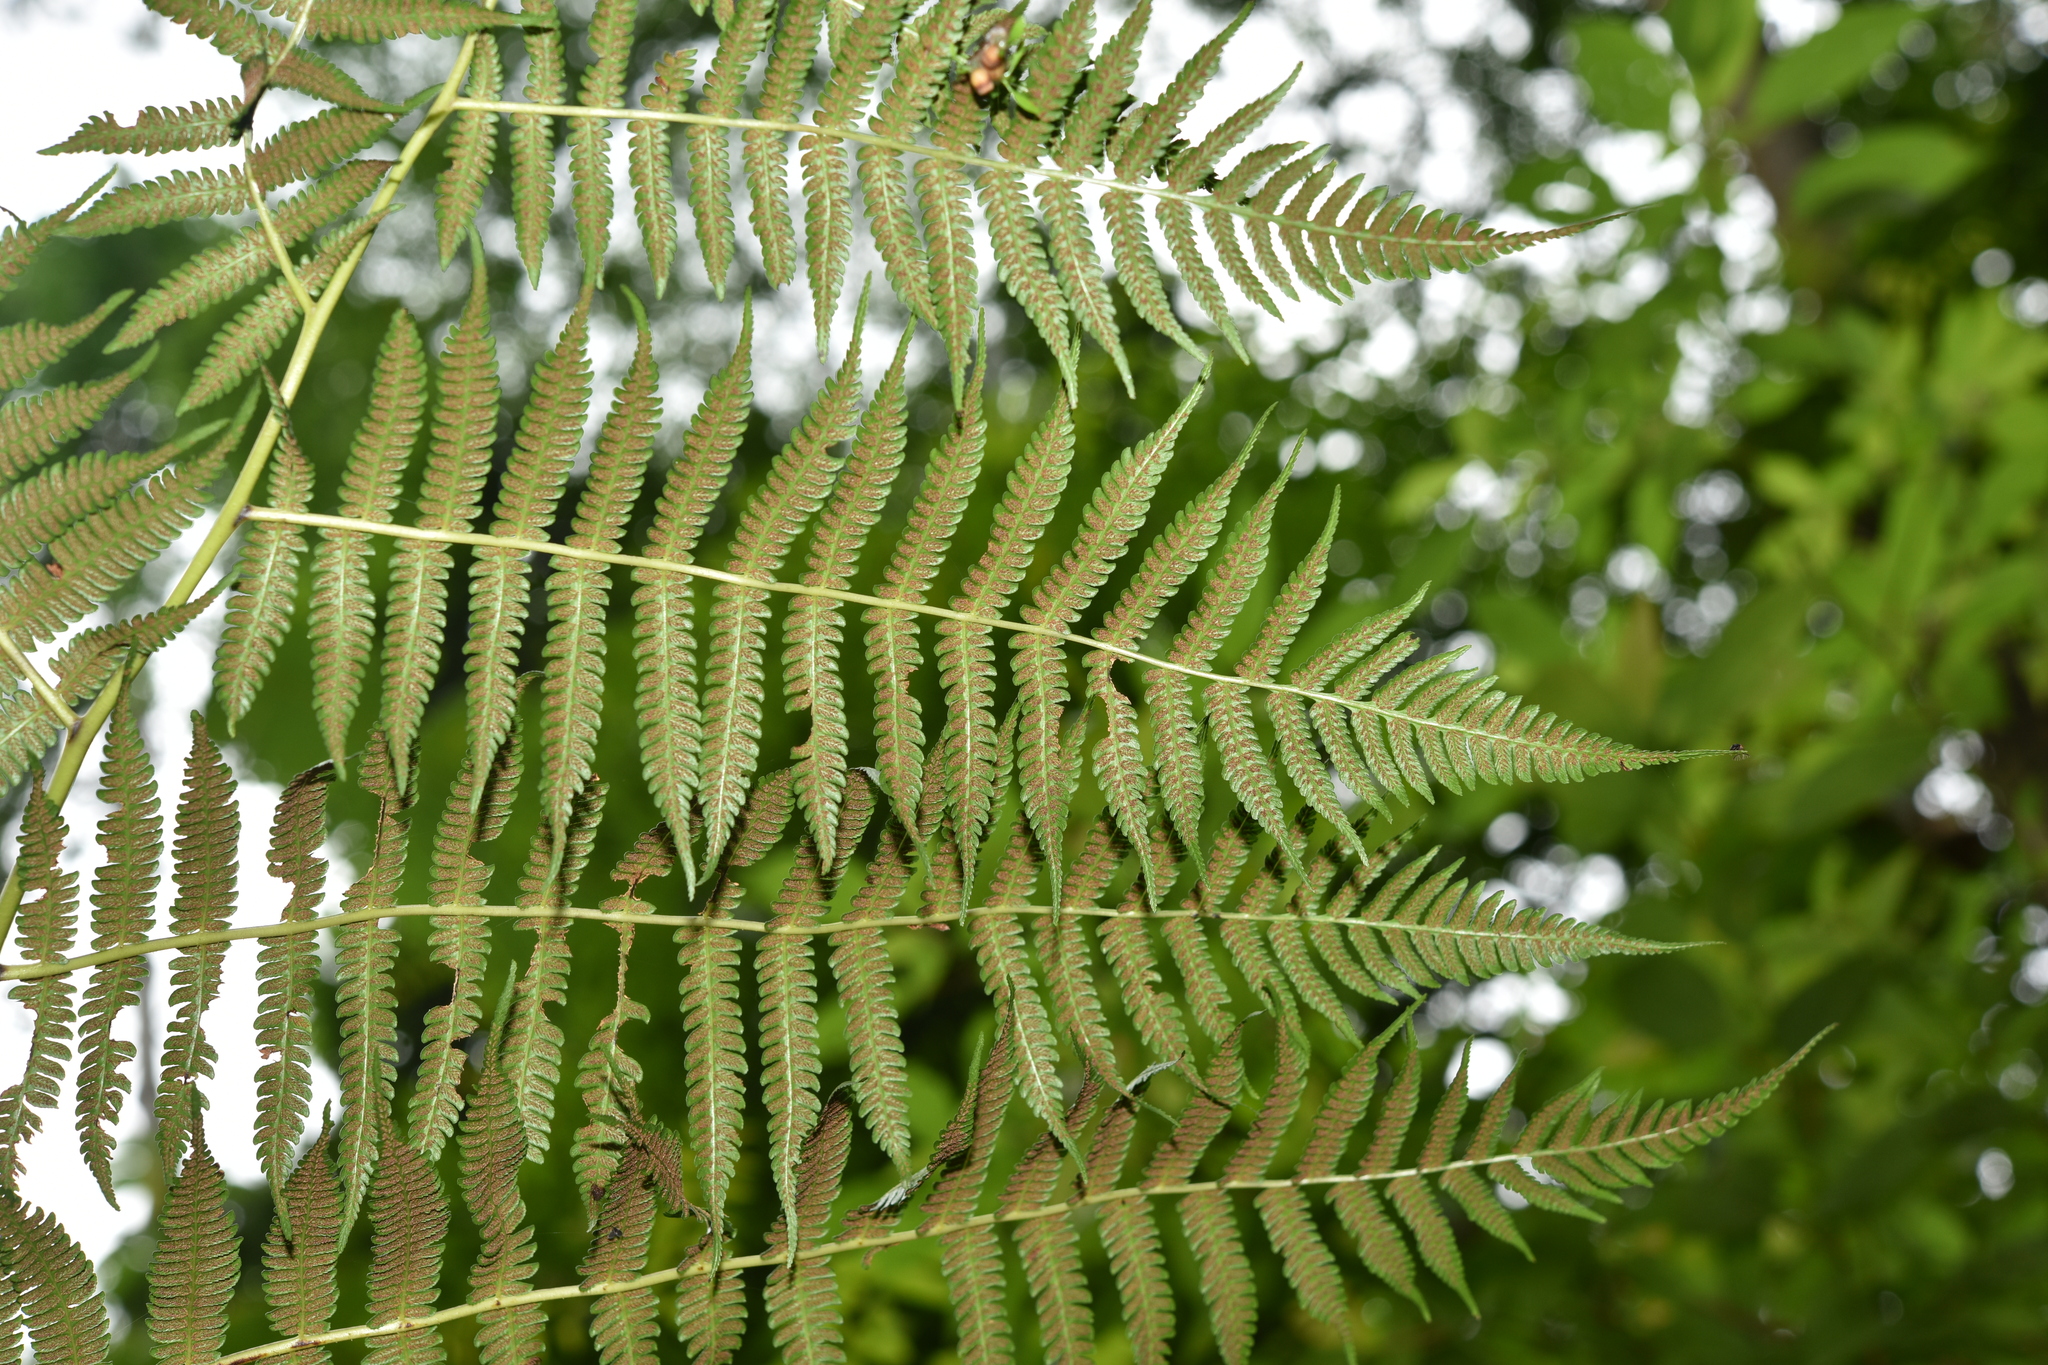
[(944, 197), (342, 612), (533, 136), (765, 152), (493, 1143), (300, 1286), (865, 979), (1050, 1247), (652, 164), (924, 53), (365, 1002), (191, 128), (743, 35), (285, 972), (472, 152), (204, 193), (203, 853), (33, 427), (192, 1275), (550, 432), (971, 1259), (857, 55), (797, 484), (408, 1224), (624, 1325), (464, 430), (803, 1296), (815, 626), (44, 930), (376, 21), (578, 592), (1130, 1235), (664, 605), (608, 1077), (266, 587), (123, 898), (220, 272), (610, 36), (51, 1280), (308, 147), (28, 347)]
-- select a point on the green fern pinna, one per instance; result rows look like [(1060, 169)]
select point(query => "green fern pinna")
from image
[(1140, 823)]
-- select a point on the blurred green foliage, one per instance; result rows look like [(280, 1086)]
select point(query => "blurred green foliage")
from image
[(1792, 499)]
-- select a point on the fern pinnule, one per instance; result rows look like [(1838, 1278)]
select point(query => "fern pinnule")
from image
[(308, 147), (472, 151), (550, 434), (815, 627), (262, 324), (26, 348), (664, 605), (493, 1146), (19, 242), (608, 1077), (651, 159), (203, 852), (1134, 964), (1130, 1234), (532, 1050), (365, 996), (799, 480), (408, 1225), (578, 591), (803, 1296), (188, 128), (202, 193), (857, 55), (532, 136), (945, 201), (865, 978), (1050, 1247), (610, 38), (714, 1045), (66, 492), (741, 39), (461, 943), (971, 1259), (51, 1286), (1071, 995), (893, 648), (924, 53), (342, 614), (1012, 985), (464, 430), (711, 1314), (123, 899), (765, 151), (34, 427), (966, 652), (624, 1326), (193, 1273), (220, 272), (266, 586), (44, 931), (286, 969), (300, 1287), (242, 37), (376, 21)]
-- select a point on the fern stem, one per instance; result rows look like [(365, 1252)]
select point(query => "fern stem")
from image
[(86, 728), (271, 235), (1001, 1217), (1644, 757), (30, 971), (962, 158), (45, 693)]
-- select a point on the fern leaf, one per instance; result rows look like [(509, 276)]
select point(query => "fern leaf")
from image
[(532, 1051), (123, 897), (193, 1273), (301, 1249), (966, 653), (20, 242), (34, 427), (220, 272), (815, 626), (266, 587), (710, 153), (766, 151), (711, 1314), (1051, 1247), (652, 164), (828, 185), (44, 931), (242, 37), (493, 1145), (1070, 988), (286, 970), (28, 347), (797, 485), (572, 687), (894, 653), (923, 55), (204, 193), (377, 21), (203, 850), (714, 1047), (1130, 1235), (465, 427), (51, 1280), (191, 128), (461, 943), (472, 152), (972, 1259), (610, 36), (550, 432), (865, 979), (1013, 987), (342, 614), (310, 146), (408, 1224), (624, 1325), (533, 135), (365, 955), (803, 1296), (608, 1077), (664, 604), (786, 979)]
